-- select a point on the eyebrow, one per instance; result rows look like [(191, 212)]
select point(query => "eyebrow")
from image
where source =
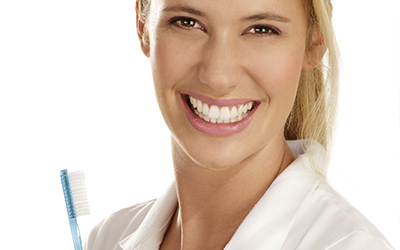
[(181, 8), (266, 16), (257, 17)]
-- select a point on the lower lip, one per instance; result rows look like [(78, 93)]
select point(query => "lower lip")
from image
[(218, 129)]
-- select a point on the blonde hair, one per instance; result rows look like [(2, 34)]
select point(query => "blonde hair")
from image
[(314, 109), (143, 8)]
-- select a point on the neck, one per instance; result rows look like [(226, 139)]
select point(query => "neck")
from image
[(213, 203)]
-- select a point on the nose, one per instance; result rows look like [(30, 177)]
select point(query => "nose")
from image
[(220, 68)]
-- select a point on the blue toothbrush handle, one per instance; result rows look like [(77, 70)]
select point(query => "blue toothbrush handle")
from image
[(69, 202), (76, 236)]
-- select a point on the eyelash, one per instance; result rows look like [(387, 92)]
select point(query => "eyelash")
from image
[(269, 30), (175, 21)]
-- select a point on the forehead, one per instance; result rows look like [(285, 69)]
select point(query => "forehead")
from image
[(233, 9)]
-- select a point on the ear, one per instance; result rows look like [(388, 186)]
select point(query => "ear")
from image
[(142, 32), (316, 51)]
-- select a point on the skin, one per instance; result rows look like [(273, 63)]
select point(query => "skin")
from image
[(220, 53)]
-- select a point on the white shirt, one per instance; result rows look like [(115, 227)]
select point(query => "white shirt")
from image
[(299, 211)]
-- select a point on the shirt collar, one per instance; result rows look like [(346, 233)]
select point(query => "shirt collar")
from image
[(151, 231), (267, 224)]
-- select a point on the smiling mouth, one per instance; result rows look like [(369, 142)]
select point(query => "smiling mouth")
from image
[(220, 114)]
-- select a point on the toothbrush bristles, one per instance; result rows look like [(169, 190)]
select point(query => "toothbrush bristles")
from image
[(78, 188)]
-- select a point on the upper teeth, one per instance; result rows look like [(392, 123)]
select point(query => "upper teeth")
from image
[(217, 114)]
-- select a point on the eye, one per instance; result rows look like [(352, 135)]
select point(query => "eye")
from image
[(263, 30), (185, 23)]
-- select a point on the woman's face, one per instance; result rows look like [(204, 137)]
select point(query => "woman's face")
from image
[(226, 73)]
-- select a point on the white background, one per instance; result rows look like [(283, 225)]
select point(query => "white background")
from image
[(76, 93)]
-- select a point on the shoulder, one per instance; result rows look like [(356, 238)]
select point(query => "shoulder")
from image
[(323, 218), (331, 222), (107, 234), (360, 240)]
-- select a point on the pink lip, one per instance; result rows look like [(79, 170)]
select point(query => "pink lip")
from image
[(218, 129)]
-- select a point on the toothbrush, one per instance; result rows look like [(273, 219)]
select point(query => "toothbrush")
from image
[(76, 201)]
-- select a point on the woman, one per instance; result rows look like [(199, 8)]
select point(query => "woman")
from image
[(240, 84)]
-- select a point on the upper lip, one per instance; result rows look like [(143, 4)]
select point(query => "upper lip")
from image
[(218, 102)]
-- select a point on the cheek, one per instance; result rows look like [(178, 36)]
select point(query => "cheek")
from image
[(165, 69), (277, 71), (171, 63)]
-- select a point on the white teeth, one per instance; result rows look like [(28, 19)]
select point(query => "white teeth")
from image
[(199, 106), (215, 114), (245, 108), (240, 110), (193, 102), (233, 112), (224, 114), (206, 110)]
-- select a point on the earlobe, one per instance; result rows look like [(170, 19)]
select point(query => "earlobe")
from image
[(316, 50), (142, 32)]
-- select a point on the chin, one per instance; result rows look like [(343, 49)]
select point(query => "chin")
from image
[(216, 154), (218, 163)]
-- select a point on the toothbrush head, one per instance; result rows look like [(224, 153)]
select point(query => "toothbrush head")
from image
[(75, 194)]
